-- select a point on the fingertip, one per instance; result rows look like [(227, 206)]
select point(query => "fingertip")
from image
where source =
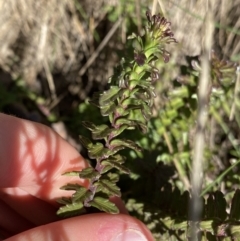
[(94, 227)]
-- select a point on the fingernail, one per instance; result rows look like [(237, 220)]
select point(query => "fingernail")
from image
[(130, 235)]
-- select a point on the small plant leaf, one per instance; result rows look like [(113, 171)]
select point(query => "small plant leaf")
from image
[(71, 186), (88, 172), (97, 150), (118, 131), (116, 149), (107, 109), (108, 187), (109, 95), (106, 168), (117, 158), (114, 177), (69, 210), (125, 143), (101, 132), (89, 125), (124, 121), (116, 165), (95, 99), (121, 111), (104, 205), (85, 142), (65, 200), (80, 194), (146, 111), (71, 174), (98, 131), (143, 127)]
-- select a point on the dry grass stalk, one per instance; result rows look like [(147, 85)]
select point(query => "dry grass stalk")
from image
[(39, 33), (199, 145)]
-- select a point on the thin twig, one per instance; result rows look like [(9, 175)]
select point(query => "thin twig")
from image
[(100, 47), (162, 8), (50, 80), (154, 7), (177, 163)]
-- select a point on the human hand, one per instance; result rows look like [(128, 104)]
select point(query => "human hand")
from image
[(32, 160)]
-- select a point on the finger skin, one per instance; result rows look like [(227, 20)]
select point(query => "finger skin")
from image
[(32, 160), (33, 157), (92, 227)]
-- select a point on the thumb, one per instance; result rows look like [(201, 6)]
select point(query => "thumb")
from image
[(92, 227)]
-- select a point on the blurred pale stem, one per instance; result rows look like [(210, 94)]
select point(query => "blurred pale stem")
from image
[(236, 93), (198, 154)]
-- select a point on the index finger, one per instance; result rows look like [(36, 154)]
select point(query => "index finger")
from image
[(33, 157)]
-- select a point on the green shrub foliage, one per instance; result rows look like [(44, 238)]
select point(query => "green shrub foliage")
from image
[(127, 103), (159, 199)]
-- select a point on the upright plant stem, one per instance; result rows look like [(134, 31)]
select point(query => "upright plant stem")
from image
[(198, 154)]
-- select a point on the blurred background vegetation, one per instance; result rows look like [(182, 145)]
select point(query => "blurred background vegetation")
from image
[(55, 54)]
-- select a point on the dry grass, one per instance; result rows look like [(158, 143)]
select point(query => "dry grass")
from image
[(187, 21), (45, 37), (39, 35)]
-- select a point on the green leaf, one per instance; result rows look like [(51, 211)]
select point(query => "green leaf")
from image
[(107, 109), (89, 125), (116, 165), (133, 83), (71, 174), (104, 205), (98, 131), (71, 187), (117, 158), (118, 131), (81, 194), (123, 121), (89, 172), (108, 187), (116, 149), (132, 36), (106, 168), (125, 143), (109, 95), (126, 93), (143, 127), (137, 116), (146, 111), (64, 200), (145, 84), (132, 103), (85, 142), (114, 177), (128, 101), (69, 210), (120, 111), (95, 99), (101, 132), (137, 44), (181, 92), (97, 150)]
